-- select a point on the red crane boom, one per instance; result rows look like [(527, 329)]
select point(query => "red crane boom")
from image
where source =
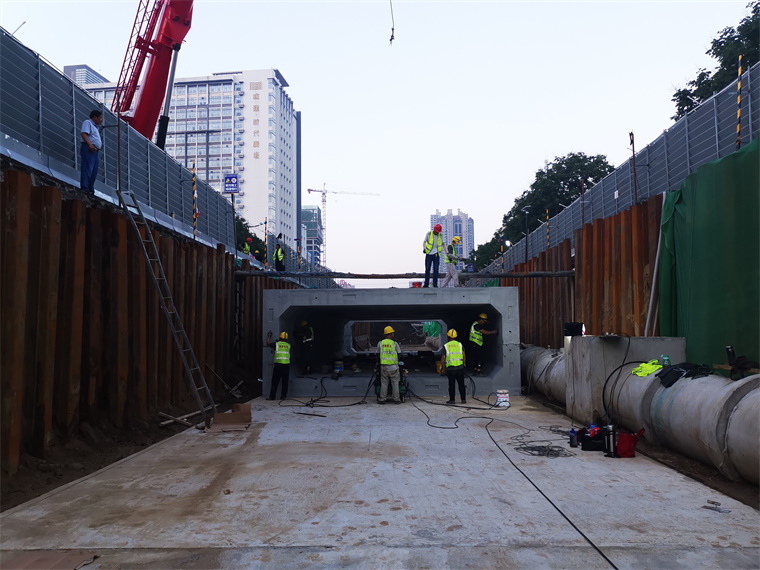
[(159, 29)]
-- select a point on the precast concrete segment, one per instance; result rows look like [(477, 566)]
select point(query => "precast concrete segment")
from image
[(742, 437), (692, 417), (330, 311), (544, 370), (374, 487)]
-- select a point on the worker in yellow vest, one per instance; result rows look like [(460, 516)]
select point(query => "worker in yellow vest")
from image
[(477, 330), (432, 247), (452, 273), (247, 247), (388, 351), (281, 369), (454, 360), (279, 258)]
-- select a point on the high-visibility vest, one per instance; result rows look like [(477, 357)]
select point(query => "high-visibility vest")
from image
[(278, 255), (475, 335), (310, 336), (438, 239), (388, 354), (453, 252), (247, 249), (281, 352), (454, 354)]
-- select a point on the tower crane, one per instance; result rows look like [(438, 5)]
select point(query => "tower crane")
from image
[(324, 193)]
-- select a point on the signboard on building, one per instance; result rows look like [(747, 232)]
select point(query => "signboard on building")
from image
[(231, 184)]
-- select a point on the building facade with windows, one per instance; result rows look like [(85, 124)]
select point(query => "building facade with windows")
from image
[(83, 74), (459, 224), (242, 123), (312, 221)]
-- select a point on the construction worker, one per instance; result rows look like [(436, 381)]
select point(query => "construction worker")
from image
[(388, 350), (247, 247), (305, 335), (432, 247), (452, 273), (281, 370), (454, 361), (279, 258), (477, 331)]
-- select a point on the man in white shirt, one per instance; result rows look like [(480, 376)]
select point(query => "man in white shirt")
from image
[(91, 145)]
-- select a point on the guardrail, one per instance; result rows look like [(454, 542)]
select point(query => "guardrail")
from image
[(40, 117)]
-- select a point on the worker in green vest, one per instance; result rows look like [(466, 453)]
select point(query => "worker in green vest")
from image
[(247, 247), (477, 330), (432, 247), (454, 360), (388, 351), (279, 258), (281, 369), (452, 273)]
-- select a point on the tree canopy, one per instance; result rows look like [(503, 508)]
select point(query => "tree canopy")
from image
[(743, 40), (242, 232), (555, 186)]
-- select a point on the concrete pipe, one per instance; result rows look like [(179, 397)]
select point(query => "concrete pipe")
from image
[(544, 370), (742, 437), (692, 417), (628, 399)]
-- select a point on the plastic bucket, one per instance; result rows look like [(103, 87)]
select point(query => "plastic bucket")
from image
[(502, 398), (338, 366)]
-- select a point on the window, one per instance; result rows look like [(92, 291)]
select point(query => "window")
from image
[(180, 101), (238, 112), (215, 124), (181, 139), (238, 162), (202, 89), (272, 98), (202, 124), (214, 137), (272, 123), (192, 138), (239, 123), (190, 126), (180, 125), (227, 161), (179, 151), (227, 137), (180, 90), (238, 136), (272, 110), (215, 88), (215, 112), (192, 90), (226, 111), (227, 124), (227, 99), (192, 100), (227, 148), (214, 100), (202, 112), (202, 100), (191, 114), (227, 87), (214, 149)]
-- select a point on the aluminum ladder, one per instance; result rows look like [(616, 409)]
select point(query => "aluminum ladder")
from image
[(193, 372)]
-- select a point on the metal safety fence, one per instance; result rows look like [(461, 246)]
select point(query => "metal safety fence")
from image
[(41, 112), (705, 134)]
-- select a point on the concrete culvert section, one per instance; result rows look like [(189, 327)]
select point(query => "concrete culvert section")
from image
[(348, 325)]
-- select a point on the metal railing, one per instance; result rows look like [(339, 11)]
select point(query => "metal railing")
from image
[(41, 114), (707, 133)]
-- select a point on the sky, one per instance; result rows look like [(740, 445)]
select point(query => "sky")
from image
[(469, 101)]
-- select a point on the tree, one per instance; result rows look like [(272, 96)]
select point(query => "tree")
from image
[(743, 40), (556, 186), (242, 232)]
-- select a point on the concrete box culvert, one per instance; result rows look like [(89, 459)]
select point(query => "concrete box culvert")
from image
[(334, 313)]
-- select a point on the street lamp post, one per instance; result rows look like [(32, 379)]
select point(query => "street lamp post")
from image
[(525, 210)]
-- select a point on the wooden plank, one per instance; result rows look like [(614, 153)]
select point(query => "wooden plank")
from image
[(190, 311), (47, 319), (118, 321), (70, 320), (15, 202)]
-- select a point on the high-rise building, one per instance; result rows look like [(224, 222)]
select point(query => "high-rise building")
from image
[(83, 74), (459, 224), (311, 216), (240, 123)]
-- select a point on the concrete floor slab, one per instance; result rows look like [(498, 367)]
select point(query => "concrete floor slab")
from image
[(375, 487)]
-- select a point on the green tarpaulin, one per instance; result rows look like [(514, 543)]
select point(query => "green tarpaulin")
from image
[(710, 259)]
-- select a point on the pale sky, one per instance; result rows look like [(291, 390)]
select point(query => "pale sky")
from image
[(459, 113)]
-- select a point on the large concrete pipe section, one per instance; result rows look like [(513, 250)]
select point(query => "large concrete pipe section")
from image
[(544, 370), (742, 437), (346, 324)]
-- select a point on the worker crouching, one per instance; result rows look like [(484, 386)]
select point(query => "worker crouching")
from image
[(388, 351), (454, 361)]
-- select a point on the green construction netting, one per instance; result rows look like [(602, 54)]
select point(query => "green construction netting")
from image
[(710, 259)]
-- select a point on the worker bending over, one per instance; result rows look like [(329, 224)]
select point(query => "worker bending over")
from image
[(388, 350), (281, 369), (477, 330), (454, 360)]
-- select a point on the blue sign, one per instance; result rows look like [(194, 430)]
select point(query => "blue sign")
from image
[(231, 184)]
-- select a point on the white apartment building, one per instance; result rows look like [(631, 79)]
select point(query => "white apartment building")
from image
[(240, 123), (459, 224)]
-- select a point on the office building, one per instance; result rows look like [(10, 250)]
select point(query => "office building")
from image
[(239, 123), (311, 216), (83, 75), (459, 224)]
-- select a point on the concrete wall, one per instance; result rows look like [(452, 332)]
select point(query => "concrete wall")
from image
[(329, 311)]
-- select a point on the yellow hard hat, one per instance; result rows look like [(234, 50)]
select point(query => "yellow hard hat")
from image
[(452, 333), (388, 330), (284, 336), (483, 316), (456, 239)]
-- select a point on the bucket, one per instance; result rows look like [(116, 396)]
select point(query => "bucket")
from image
[(502, 398), (338, 366)]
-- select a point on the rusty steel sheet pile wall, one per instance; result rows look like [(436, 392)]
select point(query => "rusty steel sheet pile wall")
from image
[(614, 261), (83, 334)]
